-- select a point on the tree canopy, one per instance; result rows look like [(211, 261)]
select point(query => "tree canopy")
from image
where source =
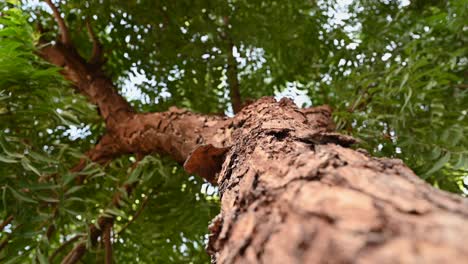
[(394, 72)]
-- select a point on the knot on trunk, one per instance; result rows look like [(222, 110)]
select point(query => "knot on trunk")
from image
[(206, 161)]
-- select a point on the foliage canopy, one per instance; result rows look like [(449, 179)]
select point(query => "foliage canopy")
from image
[(394, 72)]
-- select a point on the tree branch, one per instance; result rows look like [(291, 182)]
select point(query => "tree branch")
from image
[(97, 55), (176, 132), (8, 236), (233, 81), (6, 222), (76, 254), (135, 216), (106, 240), (91, 81), (65, 36), (63, 246), (103, 229)]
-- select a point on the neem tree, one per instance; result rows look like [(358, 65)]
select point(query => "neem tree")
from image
[(93, 176)]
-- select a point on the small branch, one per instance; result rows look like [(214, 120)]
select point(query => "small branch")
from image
[(4, 242), (234, 91), (106, 239), (63, 246), (61, 23), (75, 255), (103, 229), (97, 54), (233, 81), (6, 222), (7, 238), (135, 216)]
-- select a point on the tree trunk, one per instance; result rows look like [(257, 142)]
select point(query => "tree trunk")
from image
[(292, 194), (291, 190)]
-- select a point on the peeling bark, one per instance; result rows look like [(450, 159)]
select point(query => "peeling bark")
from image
[(292, 192), (176, 132), (288, 197)]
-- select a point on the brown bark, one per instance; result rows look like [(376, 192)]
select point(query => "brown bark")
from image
[(62, 247), (289, 193), (64, 34), (106, 240), (175, 132), (291, 190), (290, 198)]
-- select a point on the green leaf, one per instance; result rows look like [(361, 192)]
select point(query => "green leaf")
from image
[(20, 196), (40, 256), (115, 212), (74, 189), (461, 162), (7, 160), (48, 199), (439, 164), (13, 2)]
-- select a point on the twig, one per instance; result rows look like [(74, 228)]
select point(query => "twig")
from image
[(4, 242), (61, 23), (6, 222), (234, 91), (7, 238), (135, 216), (103, 223), (63, 246), (97, 54), (233, 81), (76, 254)]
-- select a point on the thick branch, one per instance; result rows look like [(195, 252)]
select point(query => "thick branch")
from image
[(87, 77), (90, 81), (65, 36)]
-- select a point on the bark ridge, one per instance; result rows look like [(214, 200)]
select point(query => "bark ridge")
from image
[(290, 198)]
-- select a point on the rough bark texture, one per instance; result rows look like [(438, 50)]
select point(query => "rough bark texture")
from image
[(290, 197), (176, 132), (291, 190)]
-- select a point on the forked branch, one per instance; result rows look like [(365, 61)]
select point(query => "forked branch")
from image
[(65, 35), (63, 246), (97, 55)]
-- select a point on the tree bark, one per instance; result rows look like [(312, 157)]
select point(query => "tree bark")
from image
[(291, 190), (289, 196), (291, 193)]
